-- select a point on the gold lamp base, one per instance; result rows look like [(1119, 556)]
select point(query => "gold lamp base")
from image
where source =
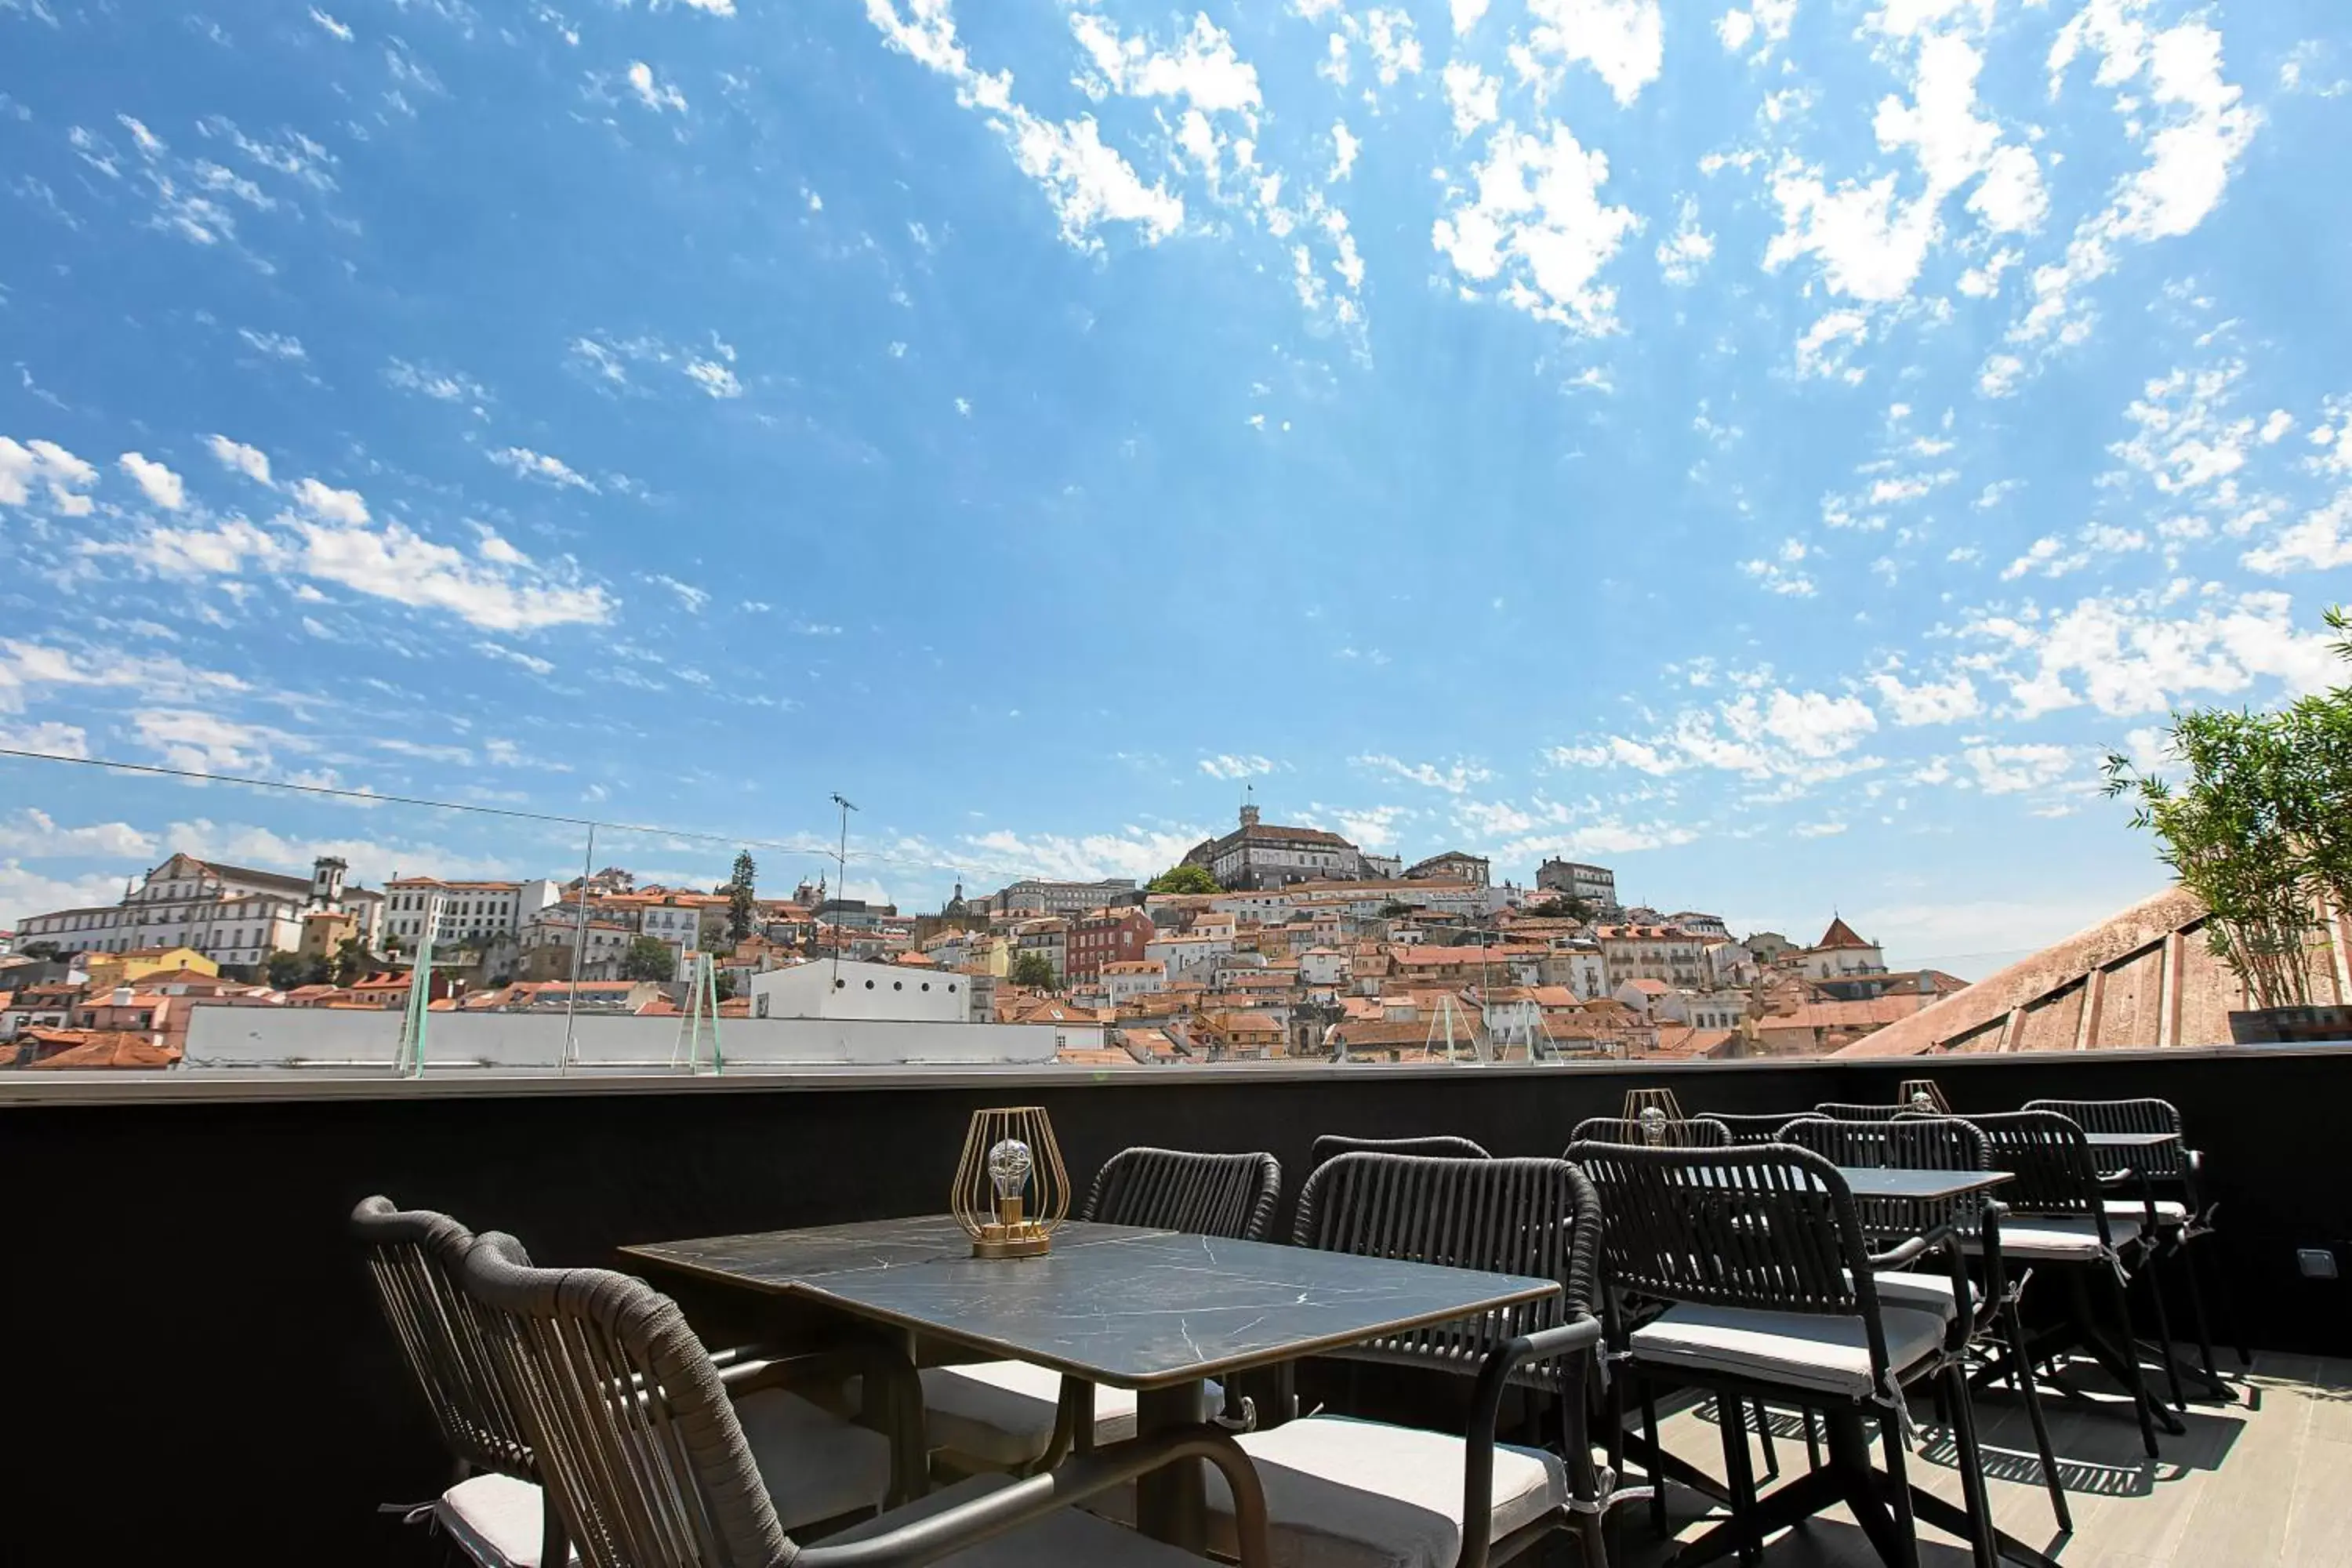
[(1025, 1239)]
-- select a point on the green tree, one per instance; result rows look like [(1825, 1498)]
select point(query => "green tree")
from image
[(2252, 818), (1183, 879), (44, 950), (352, 960), (1034, 970), (649, 958), (742, 909), (285, 971), (1562, 906)]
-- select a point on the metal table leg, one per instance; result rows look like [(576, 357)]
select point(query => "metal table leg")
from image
[(1172, 1503)]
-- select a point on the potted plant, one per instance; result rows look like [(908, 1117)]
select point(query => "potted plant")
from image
[(2255, 824)]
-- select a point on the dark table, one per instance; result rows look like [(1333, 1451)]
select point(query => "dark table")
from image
[(1157, 1312), (2130, 1139)]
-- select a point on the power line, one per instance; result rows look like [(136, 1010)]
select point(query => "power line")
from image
[(515, 812)]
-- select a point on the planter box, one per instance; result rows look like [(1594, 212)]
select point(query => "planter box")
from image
[(2289, 1026)]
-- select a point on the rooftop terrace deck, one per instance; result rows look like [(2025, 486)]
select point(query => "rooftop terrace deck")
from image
[(2266, 1483)]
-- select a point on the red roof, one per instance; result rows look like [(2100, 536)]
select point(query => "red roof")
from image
[(1841, 934)]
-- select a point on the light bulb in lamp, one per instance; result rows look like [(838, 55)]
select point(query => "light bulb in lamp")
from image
[(1009, 1165), (1654, 1125), (1919, 1100)]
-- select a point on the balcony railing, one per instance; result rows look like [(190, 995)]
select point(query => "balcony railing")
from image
[(198, 1361)]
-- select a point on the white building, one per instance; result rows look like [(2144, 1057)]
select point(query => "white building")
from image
[(1652, 953), (1323, 966), (1578, 967), (1126, 980), (468, 910), (1700, 924), (1262, 855), (1188, 957), (1036, 896), (1841, 951), (1596, 885), (231, 914), (900, 992)]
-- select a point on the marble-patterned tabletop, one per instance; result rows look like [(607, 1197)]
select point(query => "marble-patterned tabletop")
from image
[(1900, 1182), (1112, 1304)]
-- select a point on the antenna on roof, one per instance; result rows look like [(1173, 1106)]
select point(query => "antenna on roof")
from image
[(841, 862)]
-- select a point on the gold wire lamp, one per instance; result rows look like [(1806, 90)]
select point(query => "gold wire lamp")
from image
[(1012, 1192), (1921, 1094), (1662, 1101)]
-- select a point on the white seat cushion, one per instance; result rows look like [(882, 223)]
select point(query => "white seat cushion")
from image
[(1066, 1537), (1360, 1494), (2168, 1211), (816, 1464), (1922, 1292), (1802, 1350), (1001, 1412), (497, 1521), (2058, 1239)]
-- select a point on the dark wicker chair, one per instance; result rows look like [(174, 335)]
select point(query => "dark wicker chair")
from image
[(1011, 1416), (1772, 1294), (645, 1458), (493, 1509), (1941, 1143), (1436, 1146), (2059, 1222), (2166, 1185), (1744, 1128), (1840, 1111), (1430, 1495), (1702, 1133)]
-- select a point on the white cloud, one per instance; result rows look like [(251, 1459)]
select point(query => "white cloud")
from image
[(331, 505), (654, 93), (277, 345), (160, 486), (62, 475), (208, 743), (2320, 541), (1929, 701), (714, 378), (2008, 770), (1802, 737), (530, 662), (711, 7), (1134, 852), (243, 459), (692, 598), (1682, 253), (2193, 141), (1086, 183), (49, 737), (1454, 779), (442, 386), (1781, 573), (1466, 13), (2011, 199), (2127, 655), (2046, 556), (1396, 48), (1225, 765), (1369, 828), (524, 463), (27, 669), (1539, 225), (1474, 97), (2181, 438), (1344, 148), (338, 29), (1623, 41), (1202, 70), (1829, 342)]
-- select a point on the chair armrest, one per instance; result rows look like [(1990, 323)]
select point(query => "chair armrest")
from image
[(1562, 1340), (1911, 1250), (1088, 1475), (891, 1399)]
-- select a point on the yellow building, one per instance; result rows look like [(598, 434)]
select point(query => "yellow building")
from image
[(325, 931), (108, 970), (991, 956)]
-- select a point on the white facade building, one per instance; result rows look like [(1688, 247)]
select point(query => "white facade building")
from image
[(478, 910), (1124, 981), (1596, 885), (894, 991), (231, 914)]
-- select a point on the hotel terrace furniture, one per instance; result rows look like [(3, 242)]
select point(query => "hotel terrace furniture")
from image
[(1770, 1293), (2059, 1225), (495, 1511), (1013, 1414), (1843, 1110), (1152, 1311), (650, 1464), (1345, 1493), (1924, 1147), (1435, 1146), (1672, 1132), (2164, 1190), (1765, 1129)]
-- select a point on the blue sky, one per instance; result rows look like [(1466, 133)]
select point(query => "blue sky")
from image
[(1775, 450)]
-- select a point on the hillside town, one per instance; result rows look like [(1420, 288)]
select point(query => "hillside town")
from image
[(1269, 942)]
